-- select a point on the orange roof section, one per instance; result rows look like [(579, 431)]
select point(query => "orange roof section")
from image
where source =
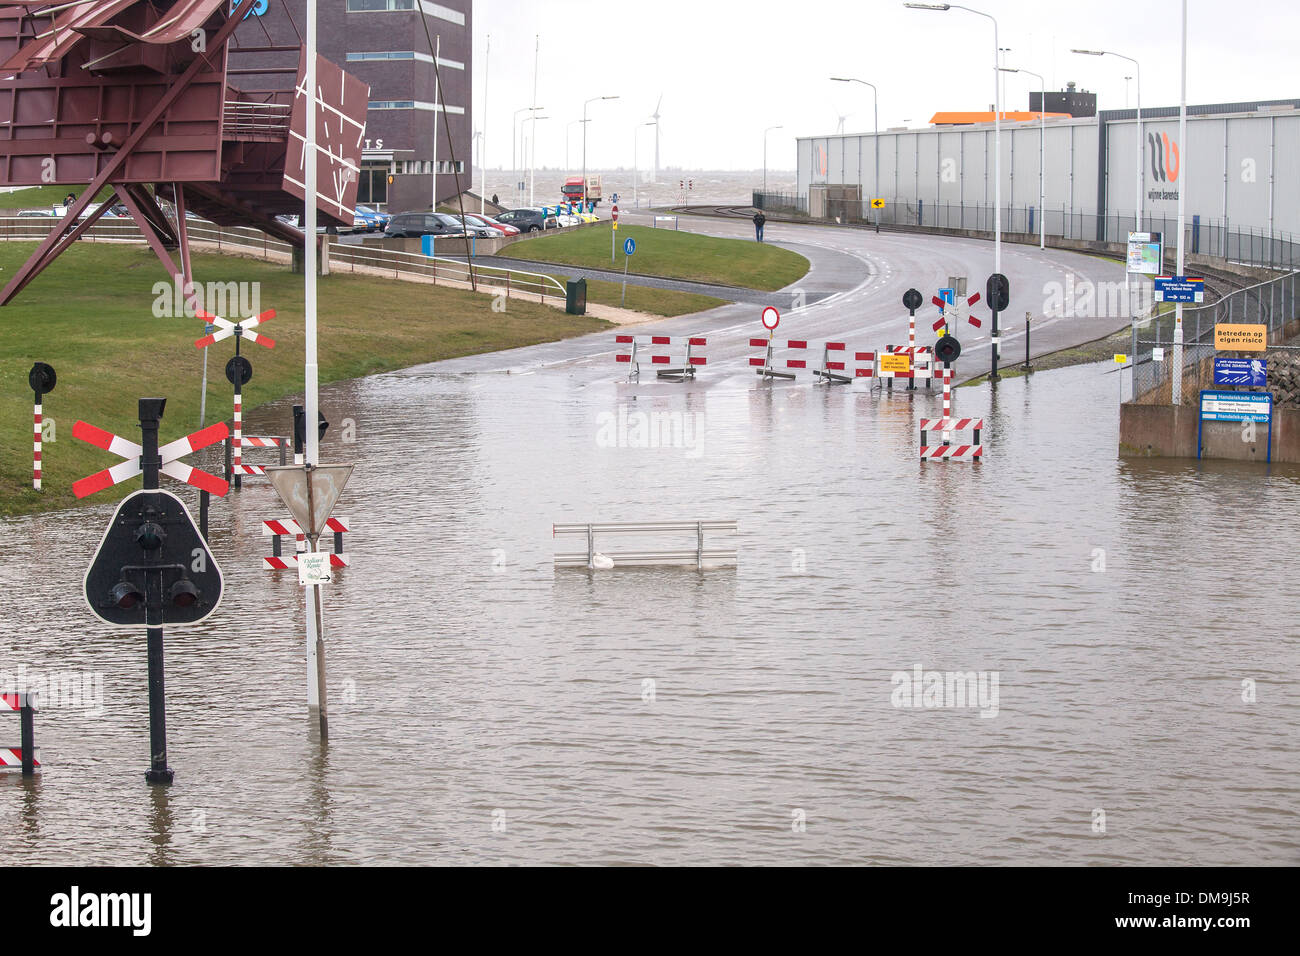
[(1012, 116)]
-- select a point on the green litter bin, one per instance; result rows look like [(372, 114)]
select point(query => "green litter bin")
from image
[(575, 297)]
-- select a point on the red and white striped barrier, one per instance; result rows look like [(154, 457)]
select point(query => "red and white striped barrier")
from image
[(286, 527), (237, 467), (19, 705), (169, 453), (920, 363), (662, 350), (262, 441), (835, 364), (36, 450), (973, 450)]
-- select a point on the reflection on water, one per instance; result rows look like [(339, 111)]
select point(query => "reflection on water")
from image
[(486, 708)]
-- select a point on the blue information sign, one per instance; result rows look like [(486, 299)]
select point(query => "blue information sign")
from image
[(1252, 373), (1235, 407), (1179, 289), (629, 246)]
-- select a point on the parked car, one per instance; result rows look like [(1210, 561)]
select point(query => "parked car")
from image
[(568, 219), (476, 229), (36, 213), (529, 219), (117, 211), (587, 217), (504, 229), (365, 219), (415, 224)]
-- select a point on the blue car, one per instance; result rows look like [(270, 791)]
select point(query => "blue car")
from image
[(365, 219)]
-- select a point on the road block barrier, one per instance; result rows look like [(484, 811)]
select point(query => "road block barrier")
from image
[(235, 447), (698, 557), (680, 356), (971, 450), (287, 527), (834, 368), (26, 756)]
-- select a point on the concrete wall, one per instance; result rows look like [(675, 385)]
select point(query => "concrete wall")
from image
[(1167, 431)]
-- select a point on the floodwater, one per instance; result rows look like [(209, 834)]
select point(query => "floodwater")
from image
[(486, 708)]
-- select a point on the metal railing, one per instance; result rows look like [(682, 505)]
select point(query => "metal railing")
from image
[(1210, 237), (698, 556), (1272, 304), (364, 259)]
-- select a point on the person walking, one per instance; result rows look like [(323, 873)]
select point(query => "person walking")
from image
[(759, 220)]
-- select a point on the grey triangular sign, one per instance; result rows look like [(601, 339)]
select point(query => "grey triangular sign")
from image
[(309, 493)]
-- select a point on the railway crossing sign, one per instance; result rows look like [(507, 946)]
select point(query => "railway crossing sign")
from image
[(243, 329), (239, 370), (42, 380), (952, 308), (168, 459)]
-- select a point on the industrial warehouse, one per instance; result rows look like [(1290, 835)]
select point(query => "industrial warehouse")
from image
[(943, 176)]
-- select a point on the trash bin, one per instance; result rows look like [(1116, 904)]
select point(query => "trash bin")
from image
[(575, 297)]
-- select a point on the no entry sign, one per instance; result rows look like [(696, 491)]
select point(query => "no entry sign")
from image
[(771, 318)]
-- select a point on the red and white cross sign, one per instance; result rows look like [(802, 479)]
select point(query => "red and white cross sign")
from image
[(244, 328), (169, 453), (954, 311)]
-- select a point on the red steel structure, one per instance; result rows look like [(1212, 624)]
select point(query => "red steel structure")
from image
[(140, 97)]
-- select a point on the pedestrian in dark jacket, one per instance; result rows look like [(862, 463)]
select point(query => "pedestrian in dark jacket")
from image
[(759, 220)]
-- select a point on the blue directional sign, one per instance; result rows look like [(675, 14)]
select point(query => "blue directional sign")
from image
[(1252, 373), (949, 296), (629, 246), (1236, 406), (1179, 289)]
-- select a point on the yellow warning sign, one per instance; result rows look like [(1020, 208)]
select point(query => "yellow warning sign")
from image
[(877, 204), (1120, 359), (1242, 338), (896, 363)]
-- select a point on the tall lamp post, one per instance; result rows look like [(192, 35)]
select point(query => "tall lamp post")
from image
[(482, 146), (997, 158), (584, 143), (765, 132), (532, 153), (569, 126), (875, 110), (1138, 179), (1042, 135)]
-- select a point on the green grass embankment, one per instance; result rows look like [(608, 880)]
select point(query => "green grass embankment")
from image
[(669, 254), (91, 316)]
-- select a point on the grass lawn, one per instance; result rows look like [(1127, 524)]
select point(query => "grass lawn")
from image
[(90, 315), (43, 196), (665, 302), (672, 254)]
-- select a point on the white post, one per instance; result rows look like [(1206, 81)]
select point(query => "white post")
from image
[(1182, 202), (437, 95), (482, 143), (311, 373), (532, 175)]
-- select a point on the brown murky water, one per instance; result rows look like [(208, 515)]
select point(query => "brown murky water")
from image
[(488, 709)]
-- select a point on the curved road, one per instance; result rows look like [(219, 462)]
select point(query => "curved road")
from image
[(853, 293)]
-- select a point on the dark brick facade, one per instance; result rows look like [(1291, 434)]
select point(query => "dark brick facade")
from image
[(396, 137)]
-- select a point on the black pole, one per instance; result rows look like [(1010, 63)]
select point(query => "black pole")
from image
[(205, 500), (151, 411), (26, 716), (993, 375), (1027, 366), (299, 433)]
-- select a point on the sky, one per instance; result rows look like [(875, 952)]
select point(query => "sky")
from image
[(727, 70)]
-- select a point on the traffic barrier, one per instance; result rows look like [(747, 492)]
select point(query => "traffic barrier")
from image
[(665, 219), (662, 356), (946, 450), (834, 367), (286, 527), (698, 557), (236, 445), (26, 756)]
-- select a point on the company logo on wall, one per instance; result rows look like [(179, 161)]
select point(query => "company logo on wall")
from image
[(821, 160), (1166, 161)]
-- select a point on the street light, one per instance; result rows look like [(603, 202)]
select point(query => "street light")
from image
[(1042, 133), (997, 158), (568, 126), (765, 132), (584, 143), (514, 152), (875, 110), (636, 169), (1137, 70), (1138, 180), (529, 151)]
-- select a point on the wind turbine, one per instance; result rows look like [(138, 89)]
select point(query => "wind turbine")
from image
[(840, 129), (655, 116)]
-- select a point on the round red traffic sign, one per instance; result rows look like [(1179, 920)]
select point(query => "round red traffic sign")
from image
[(771, 318)]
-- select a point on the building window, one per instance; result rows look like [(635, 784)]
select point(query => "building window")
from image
[(354, 57), (392, 104), (379, 6), (404, 55)]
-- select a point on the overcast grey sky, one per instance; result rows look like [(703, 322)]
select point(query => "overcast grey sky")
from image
[(726, 70)]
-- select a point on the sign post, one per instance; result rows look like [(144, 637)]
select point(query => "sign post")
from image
[(613, 232), (238, 372), (41, 378), (629, 248), (998, 289), (152, 567), (1145, 258)]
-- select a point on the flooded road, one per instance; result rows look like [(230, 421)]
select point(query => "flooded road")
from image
[(486, 708)]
